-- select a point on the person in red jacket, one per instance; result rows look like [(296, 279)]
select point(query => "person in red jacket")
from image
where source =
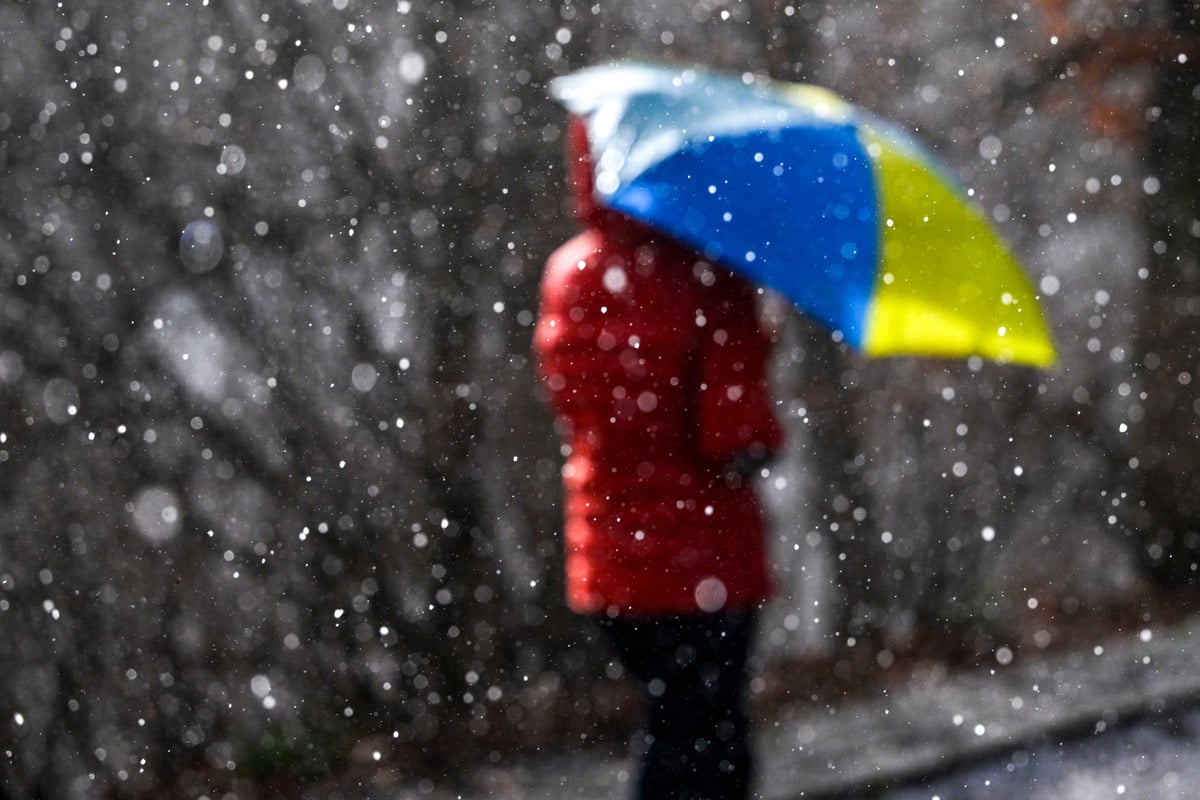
[(655, 365)]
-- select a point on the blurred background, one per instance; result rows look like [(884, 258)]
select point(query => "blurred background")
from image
[(278, 491)]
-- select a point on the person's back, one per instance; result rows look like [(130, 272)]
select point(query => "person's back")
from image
[(635, 334)]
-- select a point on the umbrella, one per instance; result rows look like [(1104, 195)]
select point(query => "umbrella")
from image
[(841, 212)]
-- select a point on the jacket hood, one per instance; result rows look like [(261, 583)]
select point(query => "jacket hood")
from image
[(580, 171)]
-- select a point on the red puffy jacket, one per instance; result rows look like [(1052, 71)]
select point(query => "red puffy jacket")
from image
[(655, 364)]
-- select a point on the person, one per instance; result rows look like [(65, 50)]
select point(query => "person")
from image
[(656, 368)]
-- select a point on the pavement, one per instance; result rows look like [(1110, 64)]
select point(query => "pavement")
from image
[(1124, 711), (947, 726), (1151, 757)]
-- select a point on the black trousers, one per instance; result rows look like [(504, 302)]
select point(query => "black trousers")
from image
[(693, 673)]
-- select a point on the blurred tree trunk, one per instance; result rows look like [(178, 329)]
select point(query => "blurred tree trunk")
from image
[(1168, 522)]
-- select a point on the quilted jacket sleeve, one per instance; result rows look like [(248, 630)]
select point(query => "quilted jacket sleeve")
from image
[(734, 411)]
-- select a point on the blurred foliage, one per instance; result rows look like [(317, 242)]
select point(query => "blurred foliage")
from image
[(306, 754)]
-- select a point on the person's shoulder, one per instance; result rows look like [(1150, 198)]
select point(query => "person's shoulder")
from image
[(584, 245), (571, 270), (574, 255)]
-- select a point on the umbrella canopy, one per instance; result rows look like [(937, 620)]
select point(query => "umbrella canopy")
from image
[(842, 213)]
